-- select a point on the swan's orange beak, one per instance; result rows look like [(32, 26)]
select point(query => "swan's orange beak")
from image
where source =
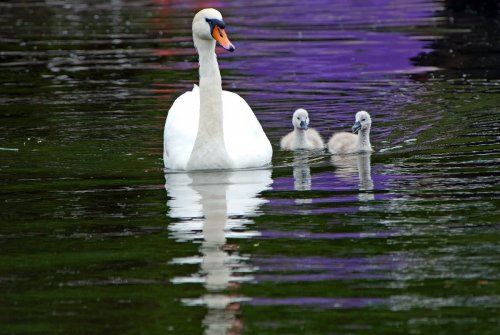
[(220, 36)]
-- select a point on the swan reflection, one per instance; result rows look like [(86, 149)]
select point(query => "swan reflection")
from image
[(348, 166), (210, 207)]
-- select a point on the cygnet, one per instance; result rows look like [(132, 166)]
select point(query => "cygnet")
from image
[(347, 143), (302, 137)]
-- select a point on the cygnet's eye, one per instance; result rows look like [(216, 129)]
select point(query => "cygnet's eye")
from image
[(298, 117), (363, 119)]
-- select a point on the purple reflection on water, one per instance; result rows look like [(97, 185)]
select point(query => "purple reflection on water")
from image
[(334, 60), (341, 61), (284, 263), (315, 277), (328, 236), (314, 269), (345, 185), (319, 182), (341, 303)]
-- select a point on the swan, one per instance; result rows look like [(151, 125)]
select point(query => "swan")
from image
[(346, 143), (208, 128), (302, 137)]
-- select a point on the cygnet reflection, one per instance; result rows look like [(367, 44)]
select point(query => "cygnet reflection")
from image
[(301, 171), (301, 174), (348, 166), (212, 206)]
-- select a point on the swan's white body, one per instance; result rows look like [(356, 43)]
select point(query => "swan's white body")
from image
[(244, 139), (208, 128), (347, 143), (302, 137)]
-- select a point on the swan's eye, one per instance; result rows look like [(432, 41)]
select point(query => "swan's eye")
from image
[(298, 118), (215, 22), (363, 119)]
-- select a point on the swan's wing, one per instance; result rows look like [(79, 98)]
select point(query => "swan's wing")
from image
[(246, 142), (180, 130)]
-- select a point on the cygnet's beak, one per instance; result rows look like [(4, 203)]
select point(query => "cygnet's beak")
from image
[(356, 127), (304, 125), (220, 36)]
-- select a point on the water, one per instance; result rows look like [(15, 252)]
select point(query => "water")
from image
[(96, 239)]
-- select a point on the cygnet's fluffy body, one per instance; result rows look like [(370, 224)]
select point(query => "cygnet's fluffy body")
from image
[(347, 143), (302, 137)]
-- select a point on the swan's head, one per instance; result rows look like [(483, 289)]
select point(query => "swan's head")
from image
[(300, 119), (363, 121), (208, 25)]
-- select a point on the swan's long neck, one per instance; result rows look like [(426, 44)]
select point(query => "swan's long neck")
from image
[(301, 139), (209, 151), (364, 140)]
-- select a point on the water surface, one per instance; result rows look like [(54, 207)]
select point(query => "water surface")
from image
[(97, 239)]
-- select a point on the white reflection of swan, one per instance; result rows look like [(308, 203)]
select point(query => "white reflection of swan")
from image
[(210, 206), (350, 165)]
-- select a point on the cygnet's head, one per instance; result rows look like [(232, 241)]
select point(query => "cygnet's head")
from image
[(208, 25), (300, 119), (363, 121)]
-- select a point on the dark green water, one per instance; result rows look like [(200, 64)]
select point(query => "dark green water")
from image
[(97, 239)]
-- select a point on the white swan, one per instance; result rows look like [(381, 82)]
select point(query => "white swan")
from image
[(208, 128), (302, 137), (346, 143)]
